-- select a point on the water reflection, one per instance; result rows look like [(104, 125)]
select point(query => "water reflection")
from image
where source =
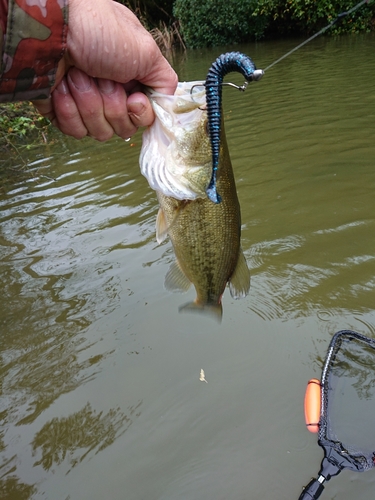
[(12, 489), (73, 438)]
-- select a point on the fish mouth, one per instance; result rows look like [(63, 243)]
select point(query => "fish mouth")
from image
[(167, 159)]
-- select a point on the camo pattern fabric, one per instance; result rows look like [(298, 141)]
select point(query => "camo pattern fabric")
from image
[(32, 42)]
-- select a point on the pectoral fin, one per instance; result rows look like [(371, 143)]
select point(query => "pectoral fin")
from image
[(161, 227), (239, 283), (175, 279)]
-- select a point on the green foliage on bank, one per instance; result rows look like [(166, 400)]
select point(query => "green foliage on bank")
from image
[(309, 16), (219, 22), (21, 127), (19, 118)]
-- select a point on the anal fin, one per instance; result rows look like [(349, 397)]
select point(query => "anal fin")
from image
[(239, 283)]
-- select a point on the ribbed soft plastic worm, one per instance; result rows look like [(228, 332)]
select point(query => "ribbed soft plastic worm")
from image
[(224, 64)]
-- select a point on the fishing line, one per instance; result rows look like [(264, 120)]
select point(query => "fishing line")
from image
[(338, 18)]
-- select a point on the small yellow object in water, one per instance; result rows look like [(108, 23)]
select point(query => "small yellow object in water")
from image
[(202, 376)]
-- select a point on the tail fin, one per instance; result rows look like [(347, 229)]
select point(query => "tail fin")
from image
[(213, 310)]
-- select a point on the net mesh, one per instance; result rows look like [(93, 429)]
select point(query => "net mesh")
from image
[(347, 423)]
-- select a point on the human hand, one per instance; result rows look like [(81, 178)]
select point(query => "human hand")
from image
[(108, 55)]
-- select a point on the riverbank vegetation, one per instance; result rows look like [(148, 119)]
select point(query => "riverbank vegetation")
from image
[(196, 24), (221, 22), (21, 126)]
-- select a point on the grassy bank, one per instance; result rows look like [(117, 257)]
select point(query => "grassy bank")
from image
[(21, 127)]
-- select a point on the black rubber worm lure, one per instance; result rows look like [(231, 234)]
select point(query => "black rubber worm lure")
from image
[(224, 64)]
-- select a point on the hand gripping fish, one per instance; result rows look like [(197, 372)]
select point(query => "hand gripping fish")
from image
[(185, 159)]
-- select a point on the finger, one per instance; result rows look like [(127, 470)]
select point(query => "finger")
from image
[(115, 108), (45, 108), (65, 114), (89, 103), (140, 110)]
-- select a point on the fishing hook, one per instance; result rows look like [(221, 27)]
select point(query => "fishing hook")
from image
[(241, 88), (228, 84), (257, 75)]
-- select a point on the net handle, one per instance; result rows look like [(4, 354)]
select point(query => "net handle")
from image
[(312, 491), (330, 467)]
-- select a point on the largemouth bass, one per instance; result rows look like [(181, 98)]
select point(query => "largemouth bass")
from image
[(185, 158), (176, 160)]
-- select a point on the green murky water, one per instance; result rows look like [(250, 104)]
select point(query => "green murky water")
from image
[(101, 396)]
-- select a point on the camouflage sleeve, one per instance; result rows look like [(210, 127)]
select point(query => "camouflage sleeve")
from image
[(32, 41)]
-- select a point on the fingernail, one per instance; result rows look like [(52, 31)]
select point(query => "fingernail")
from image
[(80, 80), (62, 87), (106, 86)]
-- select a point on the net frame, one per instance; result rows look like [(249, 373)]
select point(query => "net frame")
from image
[(336, 456), (352, 459)]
